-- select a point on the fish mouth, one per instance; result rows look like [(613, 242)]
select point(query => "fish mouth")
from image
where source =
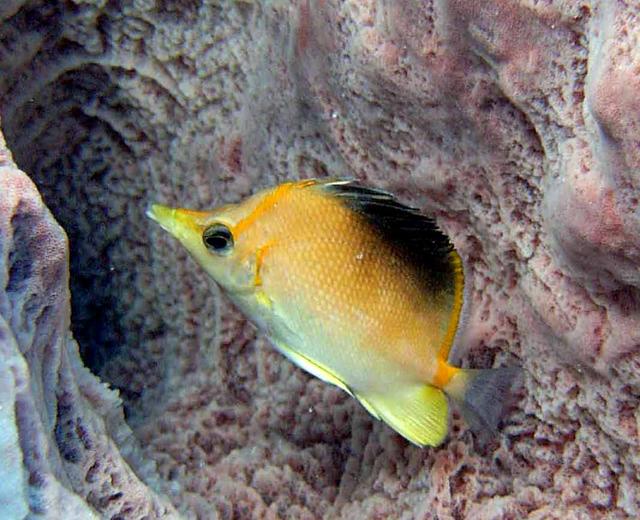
[(163, 215)]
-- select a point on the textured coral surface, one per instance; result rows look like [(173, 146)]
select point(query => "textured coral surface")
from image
[(517, 124)]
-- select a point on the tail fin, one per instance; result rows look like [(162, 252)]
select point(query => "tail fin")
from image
[(483, 395)]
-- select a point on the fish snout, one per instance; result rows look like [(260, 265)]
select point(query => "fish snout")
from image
[(184, 224), (163, 215)]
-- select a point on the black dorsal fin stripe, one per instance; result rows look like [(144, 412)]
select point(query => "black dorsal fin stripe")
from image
[(404, 226), (417, 238)]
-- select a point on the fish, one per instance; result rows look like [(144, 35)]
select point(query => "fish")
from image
[(354, 287)]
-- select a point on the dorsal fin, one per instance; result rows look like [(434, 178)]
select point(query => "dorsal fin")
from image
[(403, 225), (418, 237)]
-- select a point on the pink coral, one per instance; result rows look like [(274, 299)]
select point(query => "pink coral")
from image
[(515, 123)]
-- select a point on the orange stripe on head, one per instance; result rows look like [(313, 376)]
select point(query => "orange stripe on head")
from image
[(268, 201), (260, 254)]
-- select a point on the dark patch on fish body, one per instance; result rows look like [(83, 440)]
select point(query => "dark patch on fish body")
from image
[(417, 237)]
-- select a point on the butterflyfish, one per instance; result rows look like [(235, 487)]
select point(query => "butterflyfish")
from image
[(354, 287)]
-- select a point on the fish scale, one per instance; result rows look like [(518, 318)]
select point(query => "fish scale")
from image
[(354, 287), (364, 297)]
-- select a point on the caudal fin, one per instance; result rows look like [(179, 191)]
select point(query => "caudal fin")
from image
[(483, 395)]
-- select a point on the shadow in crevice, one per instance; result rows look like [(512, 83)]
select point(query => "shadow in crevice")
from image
[(72, 157)]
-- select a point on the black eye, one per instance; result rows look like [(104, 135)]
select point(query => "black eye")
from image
[(218, 239)]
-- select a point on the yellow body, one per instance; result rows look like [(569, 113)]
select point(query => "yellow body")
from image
[(338, 299)]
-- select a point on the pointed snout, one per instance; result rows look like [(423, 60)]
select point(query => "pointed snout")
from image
[(178, 222), (181, 223), (163, 215)]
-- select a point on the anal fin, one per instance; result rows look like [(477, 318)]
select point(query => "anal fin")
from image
[(311, 366), (420, 413), (368, 406)]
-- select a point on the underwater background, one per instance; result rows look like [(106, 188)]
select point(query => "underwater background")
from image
[(131, 388)]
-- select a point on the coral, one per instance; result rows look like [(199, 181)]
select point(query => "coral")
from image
[(514, 123), (60, 424)]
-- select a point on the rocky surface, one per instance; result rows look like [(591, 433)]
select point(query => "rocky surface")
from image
[(516, 124), (64, 442)]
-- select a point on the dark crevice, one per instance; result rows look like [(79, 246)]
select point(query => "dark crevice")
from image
[(65, 435), (97, 314), (21, 258)]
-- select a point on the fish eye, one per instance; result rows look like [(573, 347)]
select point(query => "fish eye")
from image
[(218, 239)]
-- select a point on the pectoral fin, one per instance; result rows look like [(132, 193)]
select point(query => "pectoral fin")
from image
[(311, 366), (419, 413)]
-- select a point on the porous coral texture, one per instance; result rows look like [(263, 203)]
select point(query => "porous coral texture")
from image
[(514, 123), (60, 425)]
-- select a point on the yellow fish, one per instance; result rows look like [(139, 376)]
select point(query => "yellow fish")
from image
[(355, 288)]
